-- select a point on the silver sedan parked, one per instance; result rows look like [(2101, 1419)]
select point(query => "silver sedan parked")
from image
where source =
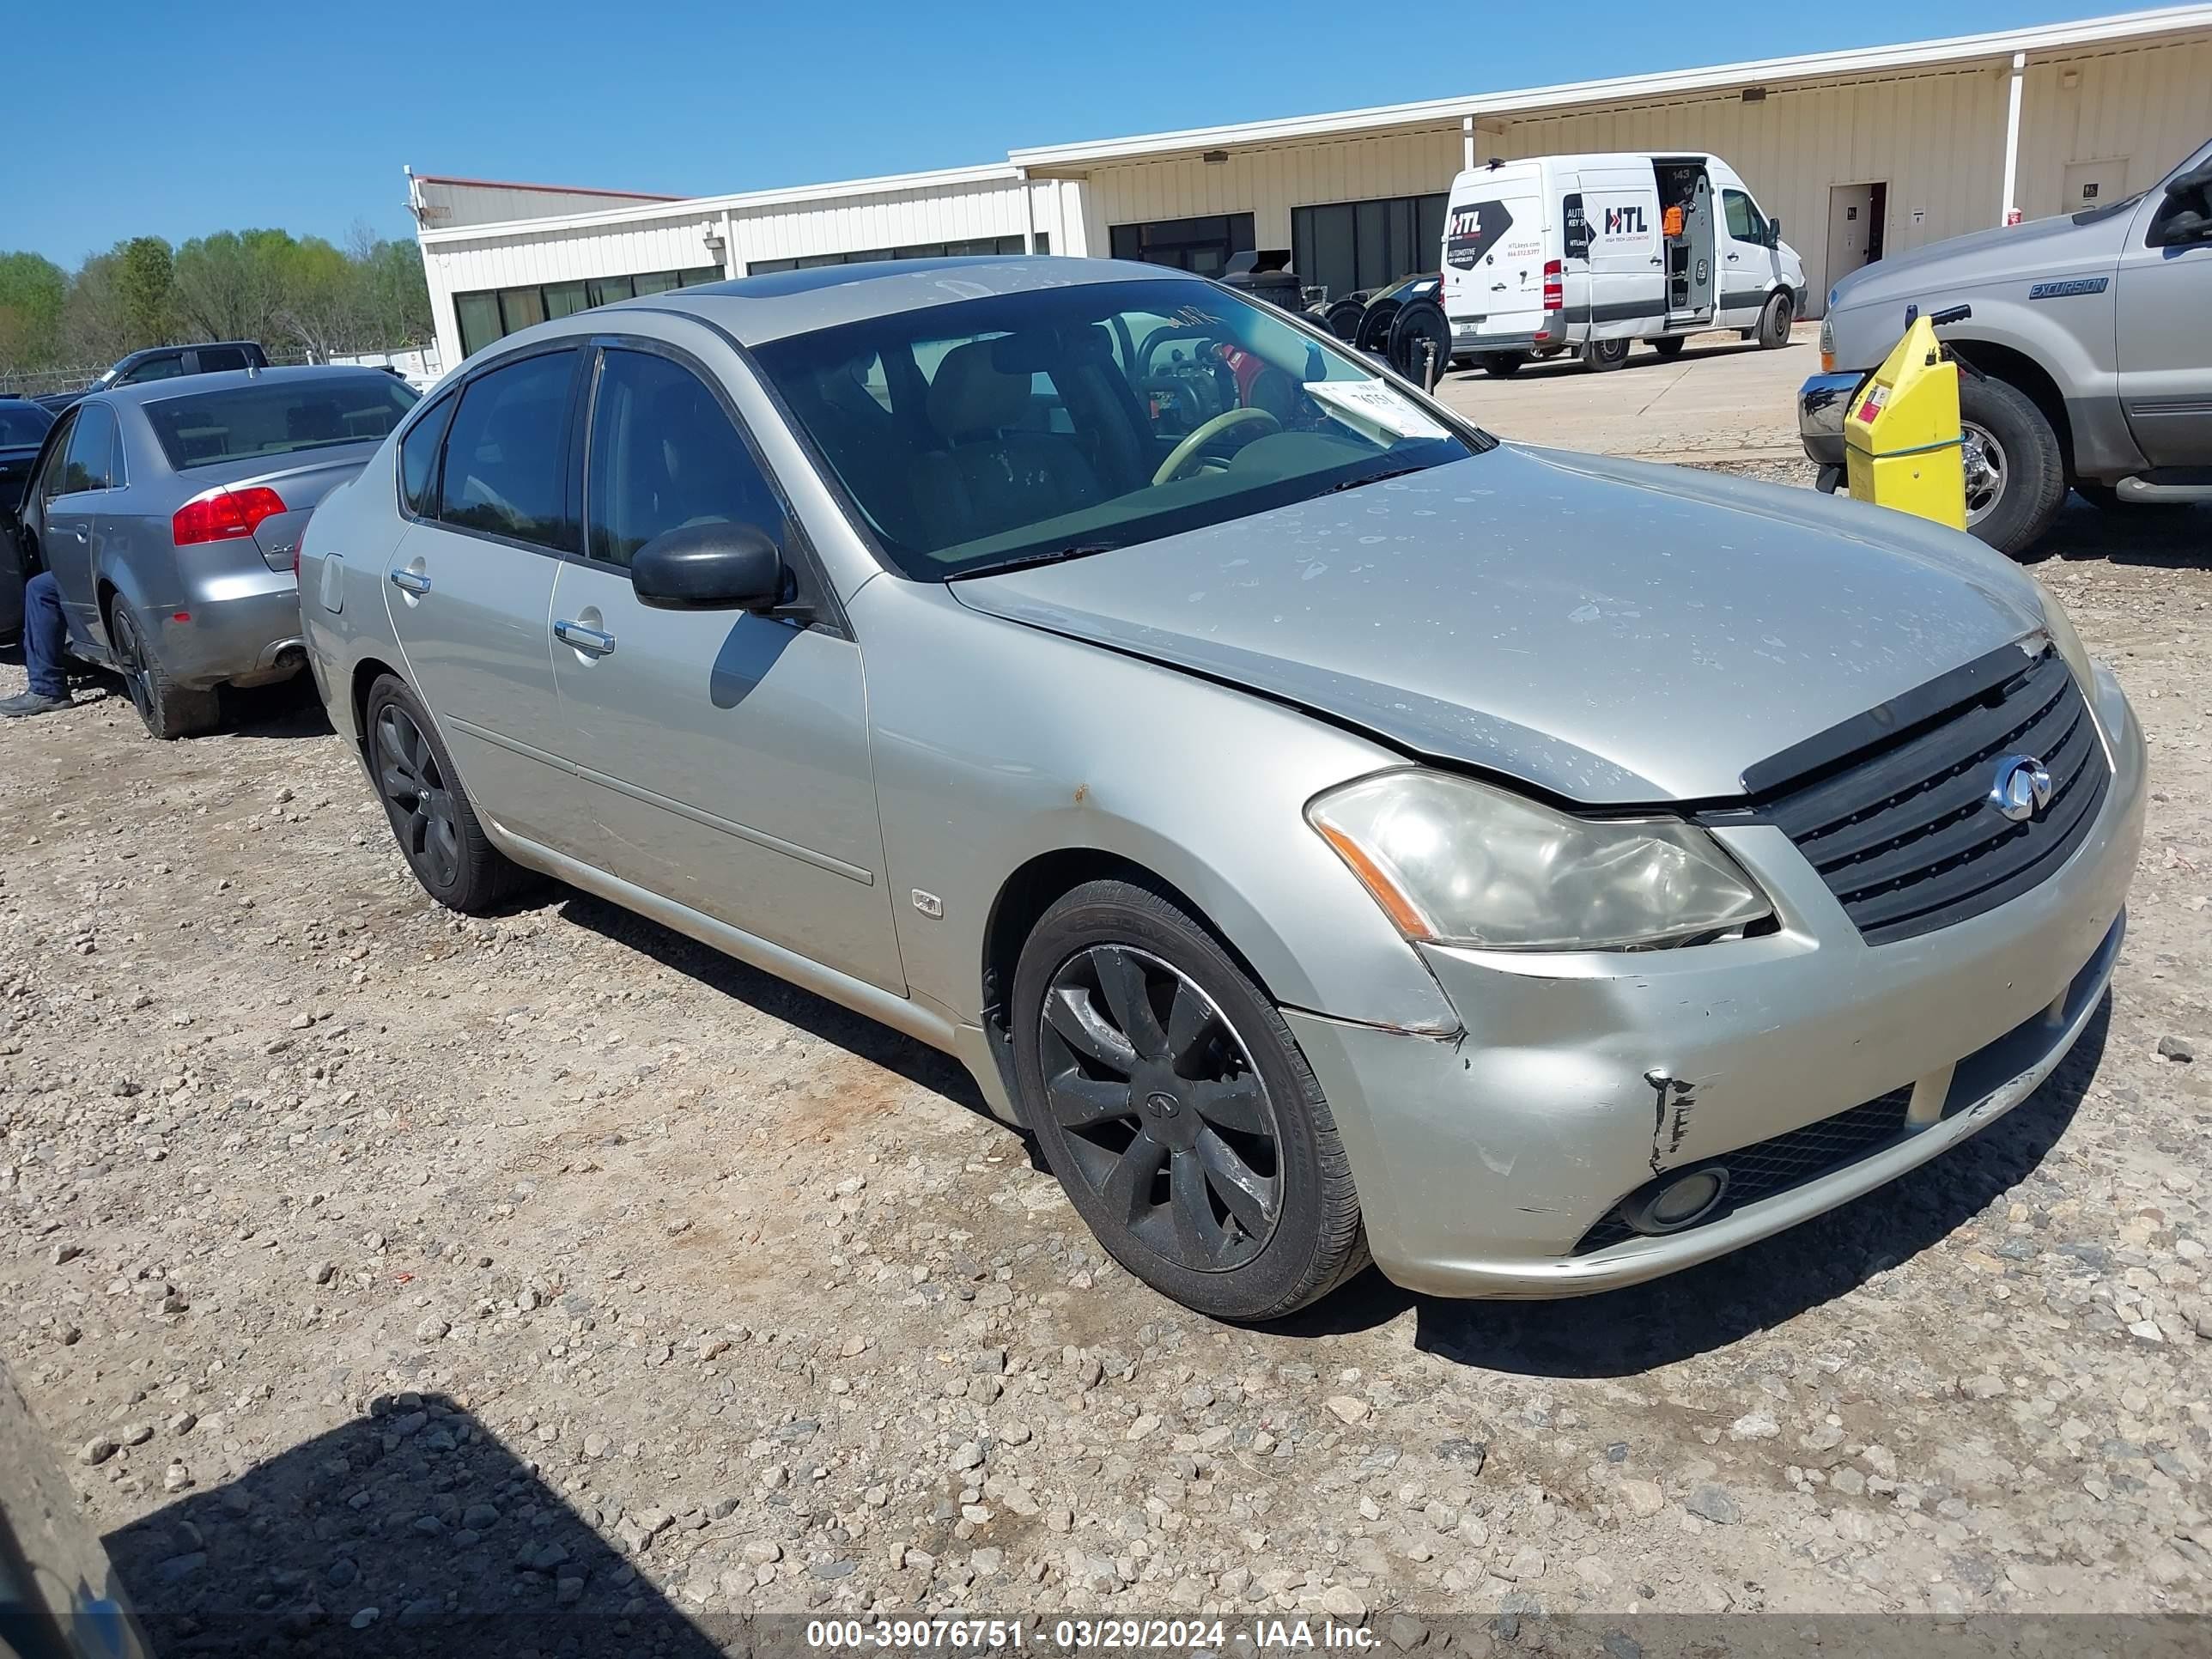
[(169, 513), (1327, 829)]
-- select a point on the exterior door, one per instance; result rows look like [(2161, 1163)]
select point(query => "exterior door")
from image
[(2165, 345), (1850, 229), (1628, 283), (725, 754), (73, 490), (1493, 253), (1751, 266), (2095, 184), (469, 588)]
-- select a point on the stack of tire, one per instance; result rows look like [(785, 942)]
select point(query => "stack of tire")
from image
[(1402, 323)]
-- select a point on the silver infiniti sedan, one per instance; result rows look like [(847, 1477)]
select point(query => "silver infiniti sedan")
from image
[(1333, 833), (169, 513)]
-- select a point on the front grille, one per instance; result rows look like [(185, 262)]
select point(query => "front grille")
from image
[(1905, 837), (1767, 1167)]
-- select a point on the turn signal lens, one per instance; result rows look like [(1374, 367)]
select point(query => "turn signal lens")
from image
[(222, 515)]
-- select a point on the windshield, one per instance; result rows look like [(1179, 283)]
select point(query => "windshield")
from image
[(1018, 427), (278, 416), (22, 425)]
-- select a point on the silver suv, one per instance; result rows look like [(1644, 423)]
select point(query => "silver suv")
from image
[(2087, 349), (1325, 828)]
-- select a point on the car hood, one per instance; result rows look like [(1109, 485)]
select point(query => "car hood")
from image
[(1607, 631)]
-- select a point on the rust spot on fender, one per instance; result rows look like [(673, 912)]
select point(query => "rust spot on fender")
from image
[(1082, 791)]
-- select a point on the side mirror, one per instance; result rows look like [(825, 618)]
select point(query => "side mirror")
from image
[(710, 567), (1773, 232)]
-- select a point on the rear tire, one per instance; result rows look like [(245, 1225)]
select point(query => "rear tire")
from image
[(1171, 1101), (1774, 321), (170, 711), (2014, 471), (1604, 355), (1501, 365), (1669, 346), (431, 815)]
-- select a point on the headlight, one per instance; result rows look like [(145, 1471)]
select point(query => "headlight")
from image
[(1456, 862), (2060, 627)]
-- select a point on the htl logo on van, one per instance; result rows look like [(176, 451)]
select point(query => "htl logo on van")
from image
[(1473, 230), (1624, 221)]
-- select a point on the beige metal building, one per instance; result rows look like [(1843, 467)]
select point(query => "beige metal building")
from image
[(1859, 152)]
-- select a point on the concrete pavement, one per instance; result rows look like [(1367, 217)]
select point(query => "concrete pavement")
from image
[(1722, 400)]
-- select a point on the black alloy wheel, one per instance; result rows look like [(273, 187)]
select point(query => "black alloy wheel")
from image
[(424, 814), (1166, 1119)]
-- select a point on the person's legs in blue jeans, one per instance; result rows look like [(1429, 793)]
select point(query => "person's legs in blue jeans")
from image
[(44, 639)]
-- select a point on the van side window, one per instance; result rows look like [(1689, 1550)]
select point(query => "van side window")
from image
[(1577, 226)]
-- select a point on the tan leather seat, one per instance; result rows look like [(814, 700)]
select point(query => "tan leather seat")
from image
[(990, 473)]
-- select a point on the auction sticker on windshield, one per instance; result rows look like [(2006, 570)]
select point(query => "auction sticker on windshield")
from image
[(1377, 408)]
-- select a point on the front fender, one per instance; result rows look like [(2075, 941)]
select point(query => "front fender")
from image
[(994, 742)]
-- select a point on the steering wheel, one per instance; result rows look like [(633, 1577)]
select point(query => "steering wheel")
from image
[(1187, 450)]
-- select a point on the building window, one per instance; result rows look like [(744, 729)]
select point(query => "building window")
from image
[(490, 313), (1201, 245), (981, 245), (1350, 246)]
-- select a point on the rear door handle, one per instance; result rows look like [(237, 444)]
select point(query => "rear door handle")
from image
[(590, 641), (410, 581)]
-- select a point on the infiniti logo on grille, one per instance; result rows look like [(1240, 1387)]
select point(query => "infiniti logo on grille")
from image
[(2022, 788)]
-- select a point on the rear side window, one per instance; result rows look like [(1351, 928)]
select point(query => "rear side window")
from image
[(665, 455), (504, 456), (1577, 226), (215, 359), (278, 418), (91, 453), (418, 457)]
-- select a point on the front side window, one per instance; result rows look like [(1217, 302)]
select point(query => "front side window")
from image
[(505, 453), (1745, 222), (165, 367), (665, 455), (1066, 420), (277, 417), (91, 452)]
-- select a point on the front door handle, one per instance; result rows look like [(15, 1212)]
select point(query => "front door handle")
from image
[(410, 581), (1731, 258), (589, 641)]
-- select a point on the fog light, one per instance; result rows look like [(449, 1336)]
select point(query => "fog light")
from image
[(1679, 1202)]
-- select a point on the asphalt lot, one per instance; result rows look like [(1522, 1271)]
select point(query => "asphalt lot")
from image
[(383, 1275)]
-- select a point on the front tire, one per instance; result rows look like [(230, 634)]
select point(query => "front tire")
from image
[(170, 711), (1605, 355), (2015, 477), (432, 817), (1774, 321), (1172, 1102)]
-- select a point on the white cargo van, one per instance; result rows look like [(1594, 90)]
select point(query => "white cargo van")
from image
[(1588, 253)]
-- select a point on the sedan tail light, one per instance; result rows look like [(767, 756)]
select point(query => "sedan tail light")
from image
[(222, 514)]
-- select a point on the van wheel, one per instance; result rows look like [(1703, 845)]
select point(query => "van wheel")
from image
[(170, 711), (1604, 355), (1774, 321), (1172, 1102), (2015, 477), (1670, 345), (1501, 365)]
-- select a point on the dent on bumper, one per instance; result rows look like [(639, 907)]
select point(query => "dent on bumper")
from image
[(1482, 1160), (240, 623)]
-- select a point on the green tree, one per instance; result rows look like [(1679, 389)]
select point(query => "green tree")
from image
[(229, 286), (143, 274), (33, 291)]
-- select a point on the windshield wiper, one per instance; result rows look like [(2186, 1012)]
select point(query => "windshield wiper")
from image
[(1049, 555), (1372, 477)]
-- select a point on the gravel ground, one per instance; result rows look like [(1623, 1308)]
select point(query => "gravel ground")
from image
[(377, 1270)]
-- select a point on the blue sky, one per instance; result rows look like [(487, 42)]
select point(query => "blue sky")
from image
[(250, 114)]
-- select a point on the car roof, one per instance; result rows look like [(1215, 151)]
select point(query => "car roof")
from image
[(183, 386), (759, 309)]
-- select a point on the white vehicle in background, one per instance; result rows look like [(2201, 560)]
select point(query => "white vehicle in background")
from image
[(1588, 253)]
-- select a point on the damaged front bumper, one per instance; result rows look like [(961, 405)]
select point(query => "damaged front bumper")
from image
[(1492, 1165)]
